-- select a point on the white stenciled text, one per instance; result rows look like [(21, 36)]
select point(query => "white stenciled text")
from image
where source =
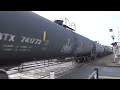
[(23, 39), (7, 37), (30, 40)]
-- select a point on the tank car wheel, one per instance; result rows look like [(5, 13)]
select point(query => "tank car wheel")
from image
[(93, 58), (83, 60), (87, 59), (77, 61), (3, 74)]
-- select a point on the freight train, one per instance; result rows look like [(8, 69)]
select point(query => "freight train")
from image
[(25, 36)]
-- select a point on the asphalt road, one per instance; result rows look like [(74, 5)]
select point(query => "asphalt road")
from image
[(83, 72)]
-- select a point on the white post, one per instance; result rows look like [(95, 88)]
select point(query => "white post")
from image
[(118, 53), (95, 76), (118, 46), (52, 75), (114, 55), (119, 61)]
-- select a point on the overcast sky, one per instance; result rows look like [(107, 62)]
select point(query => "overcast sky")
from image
[(94, 25)]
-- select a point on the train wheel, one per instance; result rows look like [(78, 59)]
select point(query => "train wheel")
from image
[(77, 61), (83, 60), (87, 59), (93, 58), (3, 74)]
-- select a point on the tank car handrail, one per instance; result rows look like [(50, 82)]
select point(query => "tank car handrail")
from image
[(69, 26), (73, 24)]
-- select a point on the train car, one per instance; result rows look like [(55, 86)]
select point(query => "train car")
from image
[(107, 50), (99, 49), (25, 36), (84, 45)]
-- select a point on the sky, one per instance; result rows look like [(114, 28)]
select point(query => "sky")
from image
[(94, 25)]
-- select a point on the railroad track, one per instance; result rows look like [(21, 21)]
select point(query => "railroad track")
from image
[(37, 66)]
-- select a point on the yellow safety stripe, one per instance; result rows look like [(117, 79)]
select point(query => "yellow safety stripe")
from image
[(44, 36), (108, 77)]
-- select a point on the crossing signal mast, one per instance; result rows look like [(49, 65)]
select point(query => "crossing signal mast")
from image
[(116, 46), (113, 36)]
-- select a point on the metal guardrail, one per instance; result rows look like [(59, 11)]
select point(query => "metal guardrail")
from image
[(27, 67), (94, 75), (50, 75)]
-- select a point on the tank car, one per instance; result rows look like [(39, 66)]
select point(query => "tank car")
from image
[(99, 49), (84, 45), (107, 50), (25, 36)]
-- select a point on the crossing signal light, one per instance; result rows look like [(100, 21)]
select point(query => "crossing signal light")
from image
[(114, 44)]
